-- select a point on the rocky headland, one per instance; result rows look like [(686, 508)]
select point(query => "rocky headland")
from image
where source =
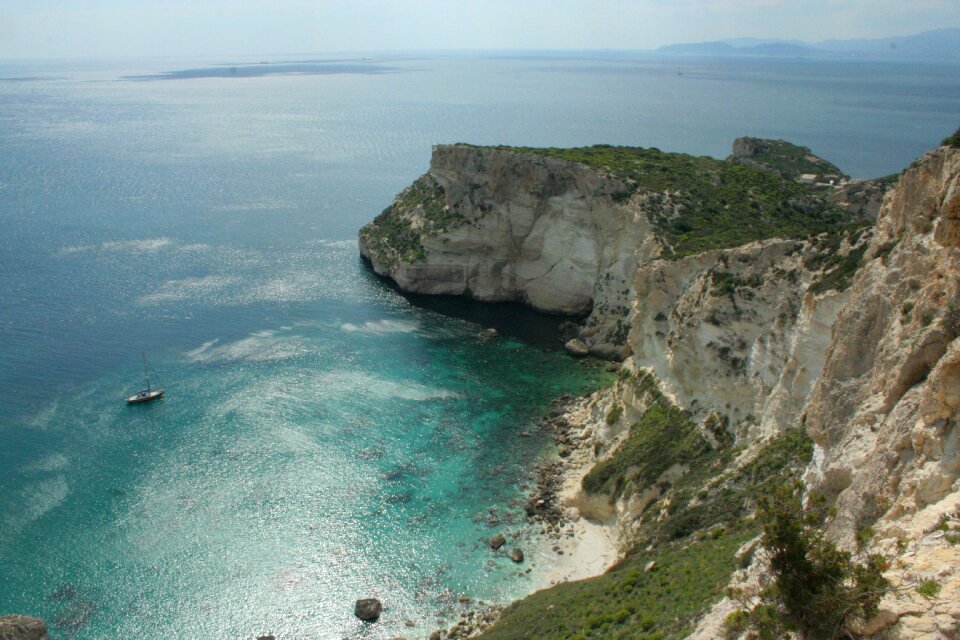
[(775, 322)]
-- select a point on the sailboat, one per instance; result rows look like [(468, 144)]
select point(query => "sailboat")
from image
[(149, 393)]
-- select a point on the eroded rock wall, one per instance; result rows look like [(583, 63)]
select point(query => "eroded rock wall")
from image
[(736, 333), (553, 234), (885, 408)]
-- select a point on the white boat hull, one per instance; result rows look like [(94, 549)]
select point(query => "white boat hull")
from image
[(145, 396)]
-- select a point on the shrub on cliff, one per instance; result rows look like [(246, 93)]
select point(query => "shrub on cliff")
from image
[(818, 591), (952, 141)]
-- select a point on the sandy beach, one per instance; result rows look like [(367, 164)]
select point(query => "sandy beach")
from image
[(586, 547)]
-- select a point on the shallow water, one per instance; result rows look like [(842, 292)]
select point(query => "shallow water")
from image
[(323, 438)]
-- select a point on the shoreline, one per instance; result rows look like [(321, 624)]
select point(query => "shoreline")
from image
[(569, 546), (584, 548)]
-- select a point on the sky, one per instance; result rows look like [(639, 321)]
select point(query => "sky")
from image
[(148, 28)]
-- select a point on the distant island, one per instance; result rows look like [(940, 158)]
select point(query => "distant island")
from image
[(939, 44)]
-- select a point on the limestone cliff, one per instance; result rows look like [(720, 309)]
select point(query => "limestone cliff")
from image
[(884, 412), (497, 225), (565, 230)]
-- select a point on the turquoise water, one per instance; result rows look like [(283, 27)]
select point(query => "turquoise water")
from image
[(323, 438)]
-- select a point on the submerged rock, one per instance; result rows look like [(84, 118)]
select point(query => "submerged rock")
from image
[(488, 334), (14, 627), (516, 555), (497, 541), (65, 592), (368, 609), (75, 615)]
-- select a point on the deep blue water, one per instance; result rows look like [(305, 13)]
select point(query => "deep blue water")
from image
[(323, 438)]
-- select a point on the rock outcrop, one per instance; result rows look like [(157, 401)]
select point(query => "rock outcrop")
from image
[(368, 609), (14, 627)]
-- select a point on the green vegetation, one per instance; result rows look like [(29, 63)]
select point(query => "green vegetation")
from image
[(736, 623), (394, 236), (950, 534), (864, 536), (838, 269), (929, 589), (614, 414), (818, 591), (953, 140), (663, 436), (690, 533), (701, 203), (788, 159), (726, 283), (627, 602)]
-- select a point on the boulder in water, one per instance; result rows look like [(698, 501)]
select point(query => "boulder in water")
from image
[(368, 609), (577, 347)]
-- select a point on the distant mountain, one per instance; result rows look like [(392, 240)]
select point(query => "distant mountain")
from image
[(943, 44), (937, 43), (725, 48)]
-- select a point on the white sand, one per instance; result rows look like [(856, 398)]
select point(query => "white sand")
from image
[(593, 547)]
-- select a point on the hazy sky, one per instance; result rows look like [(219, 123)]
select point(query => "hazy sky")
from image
[(72, 28)]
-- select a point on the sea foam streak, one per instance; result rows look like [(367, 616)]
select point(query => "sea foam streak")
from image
[(146, 245), (261, 346), (381, 327), (191, 288)]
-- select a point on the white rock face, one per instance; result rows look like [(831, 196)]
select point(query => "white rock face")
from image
[(885, 410), (542, 231), (736, 333)]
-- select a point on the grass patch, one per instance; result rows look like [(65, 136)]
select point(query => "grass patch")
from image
[(929, 589), (698, 203), (663, 436), (626, 602)]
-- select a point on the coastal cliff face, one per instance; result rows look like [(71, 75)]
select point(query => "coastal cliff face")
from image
[(885, 410), (500, 226), (831, 356), (565, 230), (740, 334)]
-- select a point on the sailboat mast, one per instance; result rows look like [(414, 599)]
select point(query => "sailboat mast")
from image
[(146, 372)]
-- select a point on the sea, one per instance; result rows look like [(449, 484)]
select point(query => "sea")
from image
[(323, 437)]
